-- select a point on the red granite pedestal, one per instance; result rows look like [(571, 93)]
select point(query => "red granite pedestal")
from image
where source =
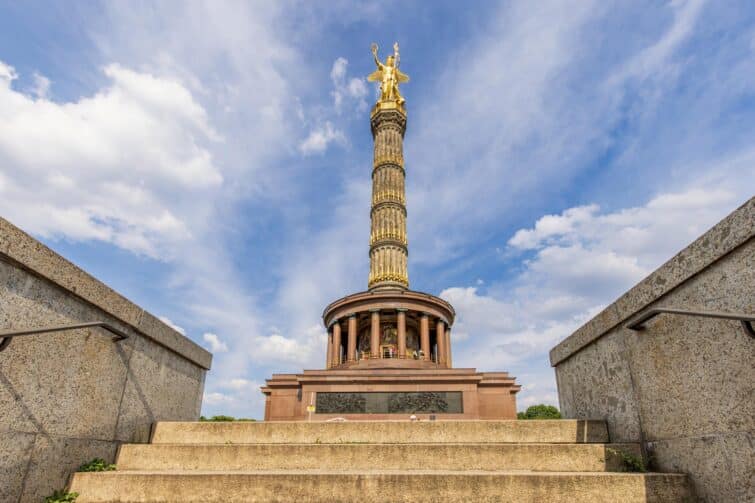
[(483, 395)]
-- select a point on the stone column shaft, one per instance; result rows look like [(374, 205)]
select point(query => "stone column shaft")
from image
[(329, 356), (440, 337), (336, 344), (401, 329), (352, 342), (448, 347), (424, 336), (375, 335)]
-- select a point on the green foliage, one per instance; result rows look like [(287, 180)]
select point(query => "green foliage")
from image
[(96, 465), (631, 462), (61, 497), (541, 411), (222, 418)]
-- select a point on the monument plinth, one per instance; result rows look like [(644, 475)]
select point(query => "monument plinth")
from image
[(389, 348)]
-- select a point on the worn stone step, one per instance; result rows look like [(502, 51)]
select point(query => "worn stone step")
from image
[(488, 456), (386, 432), (367, 487)]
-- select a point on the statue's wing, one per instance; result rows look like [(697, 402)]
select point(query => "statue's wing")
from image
[(376, 76), (402, 77)]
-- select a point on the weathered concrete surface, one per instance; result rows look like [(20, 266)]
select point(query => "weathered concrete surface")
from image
[(684, 385), (460, 457), (388, 432), (345, 486), (68, 397), (532, 461)]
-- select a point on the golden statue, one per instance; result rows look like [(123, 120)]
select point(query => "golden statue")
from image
[(389, 76)]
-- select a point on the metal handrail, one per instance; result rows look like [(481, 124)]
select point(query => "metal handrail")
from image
[(637, 322), (7, 336)]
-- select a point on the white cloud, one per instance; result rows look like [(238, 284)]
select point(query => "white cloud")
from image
[(118, 166), (583, 260), (41, 86), (7, 73), (172, 325), (348, 89), (303, 349), (319, 139), (653, 60), (550, 225), (237, 396), (216, 345), (216, 398)]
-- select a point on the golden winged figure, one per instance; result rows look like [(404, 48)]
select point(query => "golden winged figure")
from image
[(389, 76)]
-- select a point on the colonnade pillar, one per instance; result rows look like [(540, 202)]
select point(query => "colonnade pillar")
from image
[(351, 346), (375, 333), (440, 340), (329, 355), (424, 336), (448, 347), (336, 358), (401, 332)]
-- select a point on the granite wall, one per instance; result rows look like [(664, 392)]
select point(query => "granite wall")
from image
[(684, 386), (68, 397)]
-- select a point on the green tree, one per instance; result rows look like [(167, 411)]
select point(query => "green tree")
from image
[(223, 418), (541, 411)]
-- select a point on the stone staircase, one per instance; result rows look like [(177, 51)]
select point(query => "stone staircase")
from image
[(464, 461)]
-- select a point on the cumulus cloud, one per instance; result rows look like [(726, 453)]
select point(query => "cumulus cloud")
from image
[(216, 345), (320, 137), (115, 166), (573, 265), (300, 350)]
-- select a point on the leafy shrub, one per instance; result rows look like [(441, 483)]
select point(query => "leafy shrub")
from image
[(541, 411), (631, 462), (96, 465), (61, 497), (222, 418)]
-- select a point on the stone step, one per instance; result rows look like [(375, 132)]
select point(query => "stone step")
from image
[(382, 432), (366, 487), (462, 457)]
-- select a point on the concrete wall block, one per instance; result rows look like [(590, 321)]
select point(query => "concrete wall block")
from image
[(14, 461), (54, 459), (67, 397), (723, 466), (596, 384), (61, 383), (161, 386), (688, 380)]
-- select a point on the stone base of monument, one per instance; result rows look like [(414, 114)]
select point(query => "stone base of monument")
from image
[(390, 391), (501, 461)]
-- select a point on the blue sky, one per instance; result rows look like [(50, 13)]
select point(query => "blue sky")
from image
[(211, 161)]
